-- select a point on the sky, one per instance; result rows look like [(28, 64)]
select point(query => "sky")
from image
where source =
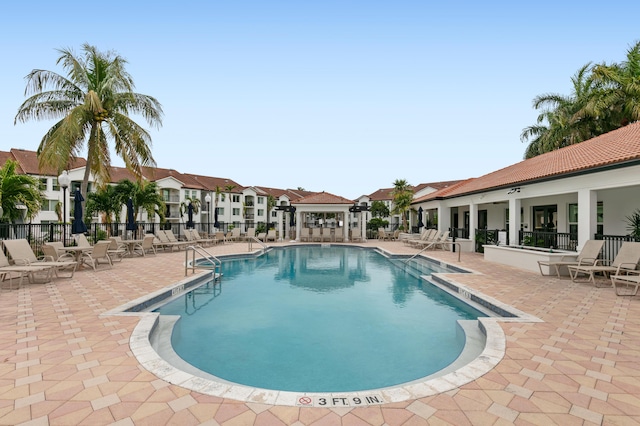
[(338, 96)]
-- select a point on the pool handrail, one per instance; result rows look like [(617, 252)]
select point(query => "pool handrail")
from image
[(217, 263), (427, 247), (251, 240)]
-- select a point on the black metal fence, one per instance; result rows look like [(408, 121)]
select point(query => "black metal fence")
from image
[(550, 240), (612, 244)]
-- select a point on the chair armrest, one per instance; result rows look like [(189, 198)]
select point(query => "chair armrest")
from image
[(48, 259), (602, 262), (626, 267), (21, 262), (588, 261)]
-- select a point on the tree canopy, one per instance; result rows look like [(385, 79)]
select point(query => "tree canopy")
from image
[(604, 97), (92, 103)]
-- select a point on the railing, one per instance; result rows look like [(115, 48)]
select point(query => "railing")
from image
[(612, 244), (486, 236), (217, 263), (558, 240), (251, 240)]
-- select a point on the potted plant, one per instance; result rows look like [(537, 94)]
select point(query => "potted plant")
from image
[(633, 224)]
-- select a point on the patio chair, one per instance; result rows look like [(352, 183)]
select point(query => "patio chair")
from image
[(629, 279), (262, 236), (29, 271), (234, 234), (588, 256), (81, 240), (220, 238), (166, 242), (356, 235), (338, 235), (21, 253), (428, 238), (271, 235), (205, 241), (100, 252), (316, 234), (440, 241), (55, 253), (146, 246), (626, 259), (251, 232), (304, 234), (326, 235), (117, 249)]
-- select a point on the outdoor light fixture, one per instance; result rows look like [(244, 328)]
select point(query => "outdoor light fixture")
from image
[(207, 199), (514, 190), (64, 180)]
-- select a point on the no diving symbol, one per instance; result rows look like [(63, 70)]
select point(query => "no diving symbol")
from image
[(304, 400)]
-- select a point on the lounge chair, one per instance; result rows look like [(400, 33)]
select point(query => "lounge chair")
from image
[(627, 259), (234, 235), (628, 280), (588, 256), (21, 253), (326, 235), (356, 235), (338, 235), (262, 236), (146, 246), (220, 238), (29, 271), (426, 235), (166, 242), (99, 252), (316, 234), (304, 234), (195, 236), (251, 232), (81, 240), (425, 239), (271, 235)]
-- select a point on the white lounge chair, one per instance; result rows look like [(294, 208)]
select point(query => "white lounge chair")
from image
[(98, 254), (22, 254), (588, 256), (630, 280)]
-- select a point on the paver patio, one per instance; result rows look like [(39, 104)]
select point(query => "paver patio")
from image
[(65, 364)]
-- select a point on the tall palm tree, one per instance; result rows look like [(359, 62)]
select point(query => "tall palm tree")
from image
[(92, 103), (402, 194), (17, 192)]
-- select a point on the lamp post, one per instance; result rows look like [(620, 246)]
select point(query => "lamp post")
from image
[(64, 180), (208, 201)]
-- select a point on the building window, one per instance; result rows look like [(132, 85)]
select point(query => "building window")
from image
[(235, 198), (260, 212), (260, 200), (220, 210), (49, 205), (573, 218), (56, 187), (235, 212), (274, 213), (43, 184)]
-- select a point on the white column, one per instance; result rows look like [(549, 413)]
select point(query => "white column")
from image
[(587, 215), (473, 219), (444, 218), (279, 218), (363, 225), (515, 204), (298, 224)]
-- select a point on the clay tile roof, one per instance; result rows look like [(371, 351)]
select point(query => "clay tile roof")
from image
[(381, 194), (615, 147), (442, 193), (210, 183), (323, 198), (4, 156), (28, 161)]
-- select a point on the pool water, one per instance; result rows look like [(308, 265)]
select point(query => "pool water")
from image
[(318, 319)]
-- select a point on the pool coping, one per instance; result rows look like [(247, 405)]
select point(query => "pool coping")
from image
[(492, 353)]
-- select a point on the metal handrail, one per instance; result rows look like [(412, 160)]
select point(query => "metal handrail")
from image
[(217, 263), (431, 245), (251, 240)]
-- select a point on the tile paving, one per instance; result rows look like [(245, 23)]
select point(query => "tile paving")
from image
[(65, 364)]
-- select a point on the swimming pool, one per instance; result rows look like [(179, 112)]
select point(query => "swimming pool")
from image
[(319, 319)]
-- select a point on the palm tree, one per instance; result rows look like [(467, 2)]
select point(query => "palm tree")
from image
[(17, 192), (563, 120), (402, 194), (145, 196), (619, 98), (184, 206), (106, 201), (271, 203), (93, 103)]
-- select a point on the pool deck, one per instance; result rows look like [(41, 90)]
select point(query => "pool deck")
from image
[(65, 364)]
